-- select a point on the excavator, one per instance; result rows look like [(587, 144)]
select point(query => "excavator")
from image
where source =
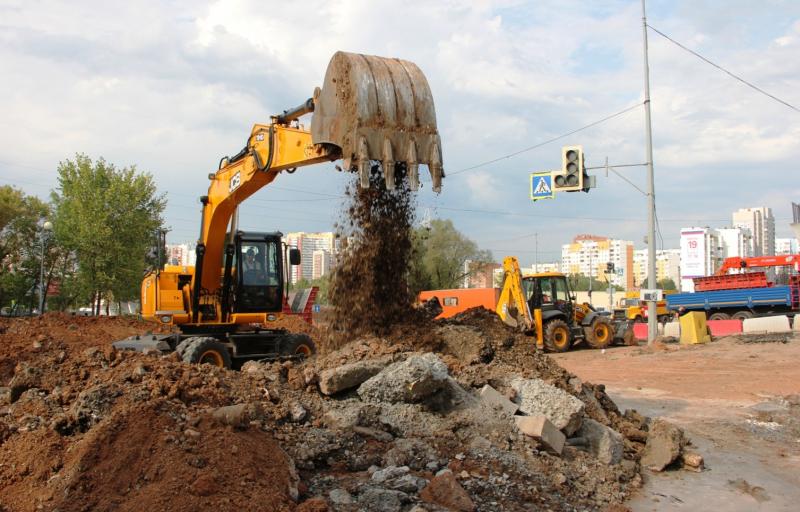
[(542, 304), (368, 109)]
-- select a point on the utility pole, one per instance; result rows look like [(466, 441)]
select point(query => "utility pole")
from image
[(652, 317)]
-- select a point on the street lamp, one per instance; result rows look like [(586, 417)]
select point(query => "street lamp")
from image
[(47, 226)]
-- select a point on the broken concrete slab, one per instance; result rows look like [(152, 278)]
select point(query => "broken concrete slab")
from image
[(409, 381), (603, 442), (543, 430), (535, 397), (664, 444), (692, 461), (348, 376), (495, 400), (445, 491)]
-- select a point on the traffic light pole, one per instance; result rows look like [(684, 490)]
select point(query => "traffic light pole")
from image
[(652, 316)]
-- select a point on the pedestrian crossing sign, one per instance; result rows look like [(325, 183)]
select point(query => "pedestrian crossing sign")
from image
[(542, 185)]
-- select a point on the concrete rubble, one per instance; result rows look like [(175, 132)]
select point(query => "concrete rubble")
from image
[(535, 396), (665, 442), (409, 381)]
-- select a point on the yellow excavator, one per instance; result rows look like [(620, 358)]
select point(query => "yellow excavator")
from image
[(542, 304), (368, 109)]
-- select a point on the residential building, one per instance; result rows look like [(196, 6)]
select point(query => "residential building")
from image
[(588, 255), (307, 243), (736, 242), (668, 266), (787, 246), (543, 267), (320, 264), (701, 255), (181, 254), (480, 275), (761, 224)]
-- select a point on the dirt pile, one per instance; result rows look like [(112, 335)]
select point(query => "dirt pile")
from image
[(84, 427), (369, 290)]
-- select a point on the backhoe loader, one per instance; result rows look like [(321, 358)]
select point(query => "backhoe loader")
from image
[(542, 304), (368, 109)]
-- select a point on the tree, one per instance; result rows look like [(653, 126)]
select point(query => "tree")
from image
[(107, 217), (666, 284), (323, 283), (580, 283), (440, 253), (20, 260)]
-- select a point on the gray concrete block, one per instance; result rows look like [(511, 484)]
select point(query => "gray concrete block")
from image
[(672, 329), (535, 397), (494, 399), (604, 443), (769, 324), (543, 430)]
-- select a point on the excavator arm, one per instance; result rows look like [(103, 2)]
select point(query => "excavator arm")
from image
[(369, 109)]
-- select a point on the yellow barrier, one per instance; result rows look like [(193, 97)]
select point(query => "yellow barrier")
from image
[(693, 328)]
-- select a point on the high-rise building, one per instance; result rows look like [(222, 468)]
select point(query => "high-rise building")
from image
[(307, 243), (701, 255), (668, 266), (736, 242), (588, 255), (320, 264), (761, 224)]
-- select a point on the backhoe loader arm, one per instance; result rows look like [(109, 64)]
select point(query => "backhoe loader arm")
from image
[(512, 306)]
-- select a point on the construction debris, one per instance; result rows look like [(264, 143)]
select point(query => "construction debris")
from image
[(535, 396), (665, 442), (541, 429), (604, 443)]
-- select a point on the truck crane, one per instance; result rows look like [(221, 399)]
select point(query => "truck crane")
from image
[(368, 109)]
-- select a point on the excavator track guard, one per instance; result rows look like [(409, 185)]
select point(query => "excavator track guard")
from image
[(377, 108)]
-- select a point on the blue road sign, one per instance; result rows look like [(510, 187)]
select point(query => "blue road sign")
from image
[(315, 308), (541, 186)]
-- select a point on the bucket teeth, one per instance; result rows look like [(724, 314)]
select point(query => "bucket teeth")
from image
[(435, 167), (363, 163), (413, 166), (388, 164)]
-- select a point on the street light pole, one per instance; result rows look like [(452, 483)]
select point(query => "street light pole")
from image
[(46, 227), (652, 317)]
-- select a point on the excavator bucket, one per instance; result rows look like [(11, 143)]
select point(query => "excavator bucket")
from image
[(377, 108)]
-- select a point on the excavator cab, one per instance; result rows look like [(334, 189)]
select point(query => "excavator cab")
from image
[(258, 267)]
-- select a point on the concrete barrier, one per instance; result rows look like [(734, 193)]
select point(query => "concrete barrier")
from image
[(796, 323), (640, 330), (724, 327), (672, 329), (770, 324)]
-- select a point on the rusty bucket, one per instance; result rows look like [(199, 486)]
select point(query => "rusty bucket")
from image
[(377, 108)]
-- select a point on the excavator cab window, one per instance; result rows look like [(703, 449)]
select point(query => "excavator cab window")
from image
[(260, 284)]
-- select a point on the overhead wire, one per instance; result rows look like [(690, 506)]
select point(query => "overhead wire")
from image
[(724, 70)]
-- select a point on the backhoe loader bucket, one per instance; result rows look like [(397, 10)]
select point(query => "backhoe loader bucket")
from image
[(377, 108)]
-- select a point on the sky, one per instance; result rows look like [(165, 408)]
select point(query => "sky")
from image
[(171, 87)]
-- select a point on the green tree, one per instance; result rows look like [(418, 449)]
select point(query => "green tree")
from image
[(580, 283), (323, 283), (106, 216), (440, 252), (20, 251), (666, 284)]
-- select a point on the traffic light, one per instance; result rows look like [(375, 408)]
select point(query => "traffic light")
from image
[(609, 267), (571, 177)]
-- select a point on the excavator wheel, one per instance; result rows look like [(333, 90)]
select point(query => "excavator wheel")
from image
[(299, 345), (207, 351), (600, 334), (180, 348), (557, 336)]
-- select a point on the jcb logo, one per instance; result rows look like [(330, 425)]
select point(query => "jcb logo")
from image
[(236, 180)]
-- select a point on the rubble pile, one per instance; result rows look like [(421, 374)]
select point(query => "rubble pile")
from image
[(448, 419)]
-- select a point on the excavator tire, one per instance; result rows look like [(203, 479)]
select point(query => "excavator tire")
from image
[(600, 334), (557, 336), (180, 348), (207, 351), (298, 344)]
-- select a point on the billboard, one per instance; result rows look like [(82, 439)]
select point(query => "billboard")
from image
[(693, 254)]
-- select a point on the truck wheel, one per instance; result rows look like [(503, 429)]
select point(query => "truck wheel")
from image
[(181, 347), (742, 315), (719, 316), (207, 351), (557, 336), (600, 333), (298, 344)]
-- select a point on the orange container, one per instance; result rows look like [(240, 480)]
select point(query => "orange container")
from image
[(461, 299)]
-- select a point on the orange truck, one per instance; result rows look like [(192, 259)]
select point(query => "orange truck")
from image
[(461, 299)]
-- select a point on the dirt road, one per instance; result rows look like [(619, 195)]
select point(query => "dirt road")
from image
[(739, 401)]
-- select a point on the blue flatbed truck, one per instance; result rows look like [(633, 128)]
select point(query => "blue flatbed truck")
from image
[(740, 303)]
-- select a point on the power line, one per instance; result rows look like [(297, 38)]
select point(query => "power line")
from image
[(548, 141), (752, 86)]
